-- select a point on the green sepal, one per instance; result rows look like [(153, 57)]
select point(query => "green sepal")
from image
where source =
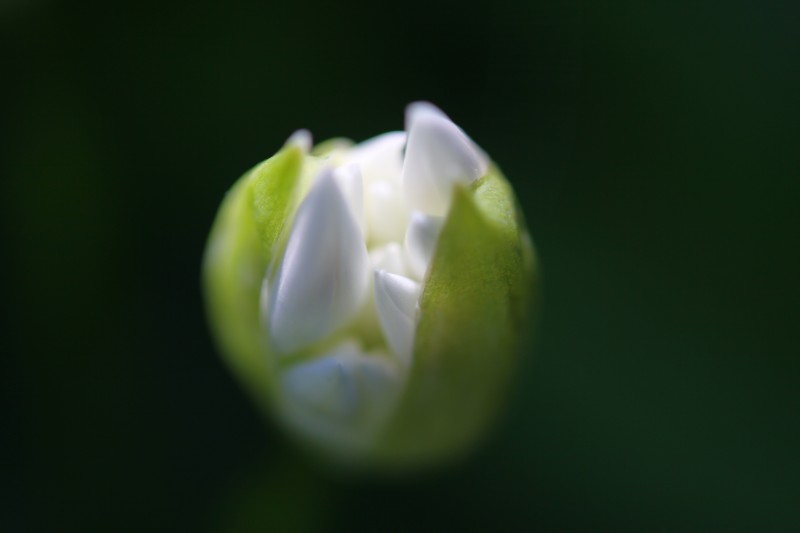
[(276, 194), (246, 234), (472, 315)]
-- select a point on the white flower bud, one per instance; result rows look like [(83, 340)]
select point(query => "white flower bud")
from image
[(372, 297)]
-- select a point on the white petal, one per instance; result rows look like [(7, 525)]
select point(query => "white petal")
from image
[(349, 180), (327, 384), (389, 258), (379, 383), (302, 139), (380, 158), (386, 213), (344, 396), (438, 155), (396, 299), (324, 275), (420, 242)]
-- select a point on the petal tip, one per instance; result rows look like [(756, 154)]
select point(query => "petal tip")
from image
[(438, 155), (301, 139)]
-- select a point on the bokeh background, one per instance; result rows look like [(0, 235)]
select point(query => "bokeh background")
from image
[(654, 148)]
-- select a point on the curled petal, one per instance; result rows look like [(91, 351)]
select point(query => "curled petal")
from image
[(344, 396), (420, 242), (396, 299), (327, 385), (349, 180), (323, 277), (438, 155)]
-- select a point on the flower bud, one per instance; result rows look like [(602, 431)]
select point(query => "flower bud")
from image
[(373, 297)]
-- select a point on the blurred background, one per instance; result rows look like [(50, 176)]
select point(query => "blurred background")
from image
[(653, 146)]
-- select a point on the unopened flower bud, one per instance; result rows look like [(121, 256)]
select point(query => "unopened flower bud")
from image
[(373, 297)]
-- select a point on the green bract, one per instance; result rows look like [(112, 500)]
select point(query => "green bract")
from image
[(371, 350)]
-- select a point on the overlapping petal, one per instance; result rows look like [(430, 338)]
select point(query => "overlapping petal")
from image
[(438, 155), (323, 277)]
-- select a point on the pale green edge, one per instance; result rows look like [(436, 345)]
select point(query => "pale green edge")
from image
[(473, 313), (248, 229)]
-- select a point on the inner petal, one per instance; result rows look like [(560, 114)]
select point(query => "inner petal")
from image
[(323, 278), (396, 300), (420, 242)]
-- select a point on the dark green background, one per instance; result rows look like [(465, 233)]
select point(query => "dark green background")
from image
[(654, 148)]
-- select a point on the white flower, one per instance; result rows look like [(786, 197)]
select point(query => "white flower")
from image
[(345, 238)]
